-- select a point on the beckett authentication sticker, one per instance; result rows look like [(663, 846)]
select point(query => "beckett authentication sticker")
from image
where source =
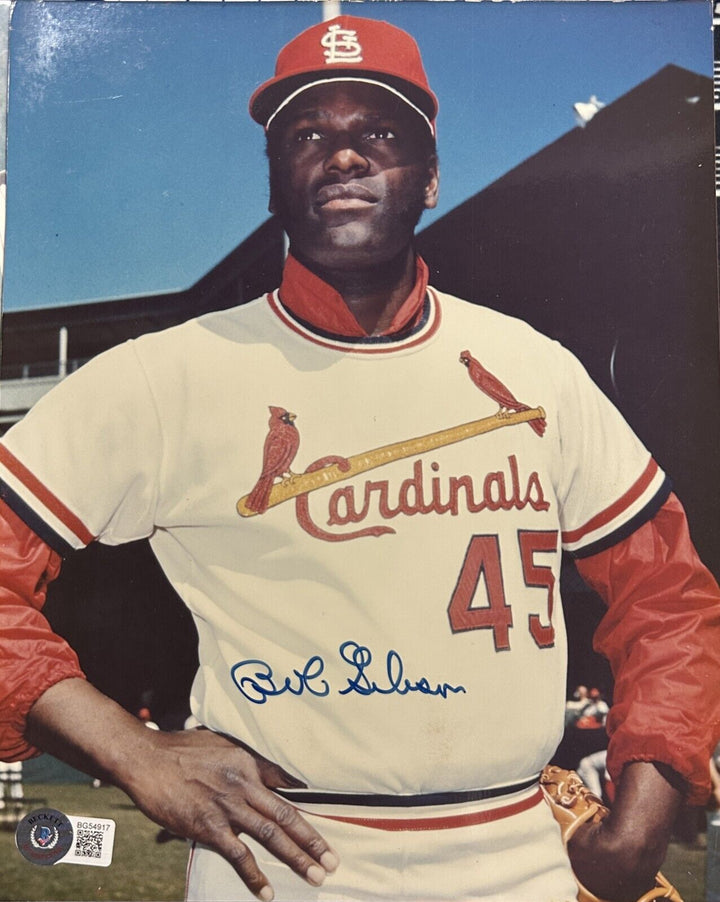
[(47, 836), (44, 836)]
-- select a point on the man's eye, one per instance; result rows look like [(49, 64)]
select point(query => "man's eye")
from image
[(307, 134), (380, 134)]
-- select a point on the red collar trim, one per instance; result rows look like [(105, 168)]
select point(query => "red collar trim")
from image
[(315, 302), (372, 345)]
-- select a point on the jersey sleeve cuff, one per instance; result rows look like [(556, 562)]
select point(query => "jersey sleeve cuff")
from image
[(693, 769), (39, 508), (618, 521)]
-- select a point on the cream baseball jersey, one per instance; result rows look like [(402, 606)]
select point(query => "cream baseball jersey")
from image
[(367, 532)]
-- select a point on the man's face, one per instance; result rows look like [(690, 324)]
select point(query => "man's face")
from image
[(351, 170)]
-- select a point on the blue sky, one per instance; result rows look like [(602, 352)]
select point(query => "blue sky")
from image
[(133, 166)]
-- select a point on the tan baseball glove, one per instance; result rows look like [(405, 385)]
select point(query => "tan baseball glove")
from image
[(573, 805)]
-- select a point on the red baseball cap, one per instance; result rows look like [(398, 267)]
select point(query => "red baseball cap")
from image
[(347, 48)]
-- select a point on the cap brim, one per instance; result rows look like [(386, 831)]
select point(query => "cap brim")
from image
[(270, 95)]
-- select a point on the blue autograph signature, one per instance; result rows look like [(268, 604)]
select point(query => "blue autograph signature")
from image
[(257, 682), (360, 657)]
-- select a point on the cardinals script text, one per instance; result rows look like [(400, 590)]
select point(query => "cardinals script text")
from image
[(421, 493)]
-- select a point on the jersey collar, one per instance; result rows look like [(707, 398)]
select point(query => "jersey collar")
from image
[(320, 306)]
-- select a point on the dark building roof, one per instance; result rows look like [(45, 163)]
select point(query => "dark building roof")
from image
[(619, 212)]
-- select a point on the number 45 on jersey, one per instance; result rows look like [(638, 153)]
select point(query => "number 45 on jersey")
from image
[(483, 565)]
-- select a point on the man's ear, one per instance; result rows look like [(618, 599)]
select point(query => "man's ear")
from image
[(432, 186)]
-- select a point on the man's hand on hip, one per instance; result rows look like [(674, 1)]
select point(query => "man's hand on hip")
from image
[(205, 787), (197, 784)]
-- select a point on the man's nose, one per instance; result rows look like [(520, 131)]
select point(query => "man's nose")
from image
[(345, 156)]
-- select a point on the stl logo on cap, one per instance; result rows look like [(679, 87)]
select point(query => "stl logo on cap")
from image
[(342, 45), (347, 48)]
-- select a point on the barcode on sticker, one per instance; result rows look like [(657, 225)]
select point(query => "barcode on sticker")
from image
[(89, 843), (92, 842)]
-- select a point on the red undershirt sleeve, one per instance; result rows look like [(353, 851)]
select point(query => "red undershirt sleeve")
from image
[(32, 656), (661, 637)]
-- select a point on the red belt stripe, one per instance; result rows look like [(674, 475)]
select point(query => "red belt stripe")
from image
[(447, 822)]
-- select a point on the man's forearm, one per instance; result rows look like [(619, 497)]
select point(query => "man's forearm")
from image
[(618, 859), (78, 724)]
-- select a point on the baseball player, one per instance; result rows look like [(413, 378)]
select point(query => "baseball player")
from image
[(361, 487)]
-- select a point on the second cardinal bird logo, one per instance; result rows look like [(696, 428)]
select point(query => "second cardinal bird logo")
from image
[(494, 389)]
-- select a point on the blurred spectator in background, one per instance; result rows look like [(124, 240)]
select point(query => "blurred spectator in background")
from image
[(594, 713), (11, 786), (592, 770), (574, 706)]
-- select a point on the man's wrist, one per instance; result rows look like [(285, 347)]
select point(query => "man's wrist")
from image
[(78, 724)]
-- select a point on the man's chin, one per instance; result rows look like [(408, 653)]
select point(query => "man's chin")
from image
[(349, 232), (348, 245)]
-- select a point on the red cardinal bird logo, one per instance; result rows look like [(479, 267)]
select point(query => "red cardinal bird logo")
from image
[(281, 445), (494, 389)]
